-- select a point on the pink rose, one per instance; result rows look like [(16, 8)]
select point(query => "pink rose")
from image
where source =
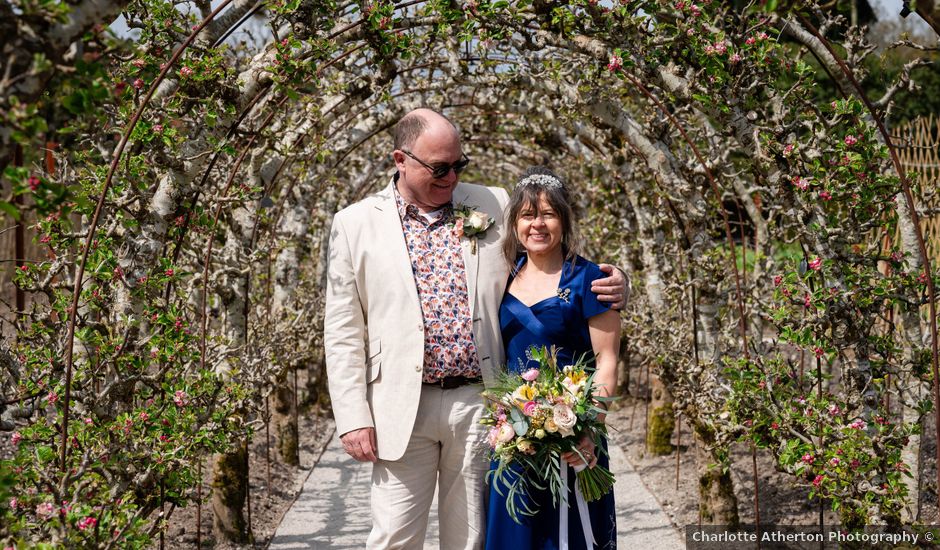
[(458, 227), (815, 264), (530, 408), (530, 375), (505, 433)]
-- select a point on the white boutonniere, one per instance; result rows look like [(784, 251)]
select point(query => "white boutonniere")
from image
[(471, 223)]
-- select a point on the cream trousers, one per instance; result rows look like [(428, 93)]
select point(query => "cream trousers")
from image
[(446, 447)]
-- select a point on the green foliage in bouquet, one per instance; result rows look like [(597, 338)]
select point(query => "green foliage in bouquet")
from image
[(534, 417)]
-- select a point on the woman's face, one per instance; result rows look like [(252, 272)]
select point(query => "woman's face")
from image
[(539, 233)]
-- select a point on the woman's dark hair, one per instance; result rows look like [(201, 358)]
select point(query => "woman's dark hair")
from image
[(527, 196)]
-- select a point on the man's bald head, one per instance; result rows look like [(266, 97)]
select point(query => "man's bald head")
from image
[(415, 123)]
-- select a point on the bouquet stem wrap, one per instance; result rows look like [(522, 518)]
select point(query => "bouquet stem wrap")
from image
[(582, 510)]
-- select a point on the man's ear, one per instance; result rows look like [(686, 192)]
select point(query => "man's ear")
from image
[(399, 159)]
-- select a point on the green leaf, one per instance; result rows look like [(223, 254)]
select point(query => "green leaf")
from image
[(10, 210)]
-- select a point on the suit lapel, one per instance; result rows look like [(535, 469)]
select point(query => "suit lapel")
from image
[(392, 237), (471, 258)]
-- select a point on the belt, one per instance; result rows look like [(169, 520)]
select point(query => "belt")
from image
[(451, 382)]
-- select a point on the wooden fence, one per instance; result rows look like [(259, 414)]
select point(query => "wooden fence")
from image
[(919, 149)]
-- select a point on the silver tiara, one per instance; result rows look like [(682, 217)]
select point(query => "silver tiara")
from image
[(540, 180)]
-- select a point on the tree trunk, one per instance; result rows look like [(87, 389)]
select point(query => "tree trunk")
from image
[(662, 419), (229, 489), (718, 504), (285, 429)]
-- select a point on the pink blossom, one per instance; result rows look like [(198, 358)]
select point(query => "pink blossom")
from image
[(721, 47), (52, 397), (788, 149), (774, 426), (750, 41), (801, 183), (164, 438), (835, 461), (530, 375), (616, 63), (807, 300), (735, 58), (709, 49), (825, 195), (142, 279), (850, 140), (690, 32), (139, 63), (33, 183), (696, 11), (14, 503), (45, 509), (458, 228), (180, 398), (818, 481), (816, 263), (530, 408), (87, 523), (158, 128), (169, 272), (808, 458), (818, 352), (144, 416), (186, 72), (855, 463), (762, 36), (89, 422), (858, 424), (45, 239), (138, 83), (778, 279)]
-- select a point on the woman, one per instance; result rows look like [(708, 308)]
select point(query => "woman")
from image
[(549, 302)]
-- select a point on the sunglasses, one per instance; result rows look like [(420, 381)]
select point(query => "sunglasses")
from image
[(439, 171)]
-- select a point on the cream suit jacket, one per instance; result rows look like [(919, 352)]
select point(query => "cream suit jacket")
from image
[(373, 330)]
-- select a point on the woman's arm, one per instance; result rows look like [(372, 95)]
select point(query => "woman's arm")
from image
[(605, 339), (604, 329)]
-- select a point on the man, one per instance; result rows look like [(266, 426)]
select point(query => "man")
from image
[(412, 333)]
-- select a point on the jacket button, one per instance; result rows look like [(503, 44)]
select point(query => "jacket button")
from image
[(421, 327), (418, 368)]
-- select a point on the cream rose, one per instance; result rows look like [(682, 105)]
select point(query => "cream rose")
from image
[(478, 221), (525, 446), (564, 418)]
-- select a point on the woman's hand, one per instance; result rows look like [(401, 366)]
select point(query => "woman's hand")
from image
[(586, 447)]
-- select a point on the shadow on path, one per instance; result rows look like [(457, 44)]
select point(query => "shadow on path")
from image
[(332, 511)]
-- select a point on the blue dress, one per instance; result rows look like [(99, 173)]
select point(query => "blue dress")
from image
[(561, 321)]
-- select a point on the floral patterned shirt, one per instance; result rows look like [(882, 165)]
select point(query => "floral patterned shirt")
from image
[(437, 263)]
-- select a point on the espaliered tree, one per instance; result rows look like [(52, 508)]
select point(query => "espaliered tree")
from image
[(181, 178)]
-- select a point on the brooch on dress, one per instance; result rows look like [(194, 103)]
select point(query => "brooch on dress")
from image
[(563, 294)]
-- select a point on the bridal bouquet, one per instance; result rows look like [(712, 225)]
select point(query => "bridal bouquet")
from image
[(534, 417)]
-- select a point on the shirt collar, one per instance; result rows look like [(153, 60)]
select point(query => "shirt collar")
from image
[(406, 209)]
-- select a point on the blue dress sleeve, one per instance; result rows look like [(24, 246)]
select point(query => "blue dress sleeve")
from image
[(588, 272)]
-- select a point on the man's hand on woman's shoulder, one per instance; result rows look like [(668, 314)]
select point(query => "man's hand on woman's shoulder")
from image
[(614, 288)]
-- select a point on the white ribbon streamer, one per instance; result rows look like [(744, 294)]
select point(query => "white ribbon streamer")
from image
[(582, 509)]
